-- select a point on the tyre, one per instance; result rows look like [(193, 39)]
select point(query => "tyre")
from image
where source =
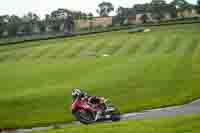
[(116, 115), (84, 117)]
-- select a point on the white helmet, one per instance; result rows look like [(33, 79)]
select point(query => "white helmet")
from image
[(76, 93)]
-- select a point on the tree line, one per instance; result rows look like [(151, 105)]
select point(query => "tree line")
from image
[(31, 23)]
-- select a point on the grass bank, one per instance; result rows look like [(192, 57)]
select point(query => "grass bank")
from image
[(142, 71)]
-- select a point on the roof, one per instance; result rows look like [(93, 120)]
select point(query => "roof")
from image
[(103, 17), (131, 17)]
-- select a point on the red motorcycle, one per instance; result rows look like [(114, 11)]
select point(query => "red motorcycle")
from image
[(88, 110)]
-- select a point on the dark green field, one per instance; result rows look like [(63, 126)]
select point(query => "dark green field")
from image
[(142, 71)]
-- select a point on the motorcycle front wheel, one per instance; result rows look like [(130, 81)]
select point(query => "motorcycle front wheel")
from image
[(115, 115), (84, 117)]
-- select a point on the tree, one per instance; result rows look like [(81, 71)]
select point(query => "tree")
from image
[(198, 6), (159, 9), (122, 14), (105, 8), (84, 16), (30, 23), (14, 23), (42, 26), (31, 18), (142, 8), (61, 13), (76, 15), (58, 17), (180, 4), (90, 16), (46, 24), (1, 27), (3, 24), (47, 19), (158, 2)]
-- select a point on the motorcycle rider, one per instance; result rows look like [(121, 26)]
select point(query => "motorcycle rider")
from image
[(91, 100), (78, 93)]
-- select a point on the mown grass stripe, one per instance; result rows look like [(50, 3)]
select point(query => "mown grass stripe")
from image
[(101, 46), (127, 44), (35, 51), (116, 47), (145, 45), (197, 51), (153, 47), (133, 46), (165, 44), (57, 47), (75, 51), (4, 57), (173, 46), (19, 55), (91, 50), (111, 46), (61, 50), (69, 50), (78, 51), (12, 55), (19, 46), (181, 50), (91, 43), (121, 42), (191, 47), (42, 52), (133, 50)]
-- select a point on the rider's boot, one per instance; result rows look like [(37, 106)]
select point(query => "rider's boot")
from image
[(98, 115)]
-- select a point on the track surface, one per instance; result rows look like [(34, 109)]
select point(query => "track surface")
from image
[(187, 109)]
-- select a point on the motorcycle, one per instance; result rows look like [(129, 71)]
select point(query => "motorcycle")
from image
[(90, 112)]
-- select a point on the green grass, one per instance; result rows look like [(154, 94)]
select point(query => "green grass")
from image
[(189, 124), (144, 71)]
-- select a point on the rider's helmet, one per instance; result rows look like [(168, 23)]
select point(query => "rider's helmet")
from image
[(77, 93)]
